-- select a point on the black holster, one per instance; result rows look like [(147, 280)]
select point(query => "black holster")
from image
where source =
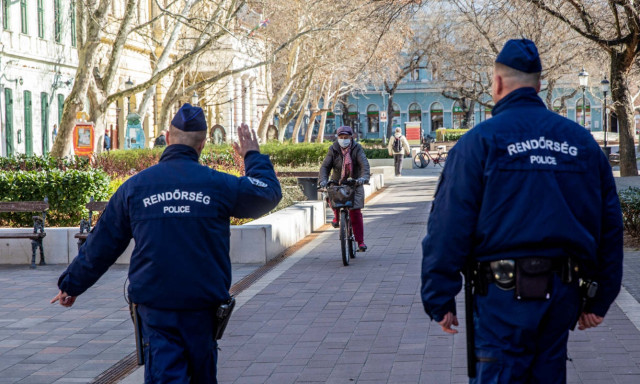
[(137, 326), (223, 313)]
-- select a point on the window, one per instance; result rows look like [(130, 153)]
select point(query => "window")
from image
[(415, 112), (57, 27), (437, 120), (44, 121), (8, 120), (559, 108), (373, 118), (395, 119), (41, 19), (23, 16), (60, 107), (28, 129), (5, 14), (458, 116), (73, 23), (583, 119)]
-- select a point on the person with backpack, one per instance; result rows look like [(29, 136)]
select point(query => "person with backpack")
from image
[(398, 147)]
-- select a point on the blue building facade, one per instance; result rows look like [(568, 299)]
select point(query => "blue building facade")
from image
[(419, 98)]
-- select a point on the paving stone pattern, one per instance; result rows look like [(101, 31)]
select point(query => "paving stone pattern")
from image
[(320, 322), (44, 343)]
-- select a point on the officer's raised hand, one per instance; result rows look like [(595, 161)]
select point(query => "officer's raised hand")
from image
[(449, 320), (247, 141)]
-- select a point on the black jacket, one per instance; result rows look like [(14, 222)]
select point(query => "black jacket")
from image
[(332, 164)]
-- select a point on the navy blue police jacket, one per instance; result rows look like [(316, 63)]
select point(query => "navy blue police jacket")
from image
[(527, 182), (177, 211)]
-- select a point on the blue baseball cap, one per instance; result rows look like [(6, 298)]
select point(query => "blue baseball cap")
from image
[(190, 119), (520, 54)]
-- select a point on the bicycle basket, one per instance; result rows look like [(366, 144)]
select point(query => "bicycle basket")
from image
[(341, 196)]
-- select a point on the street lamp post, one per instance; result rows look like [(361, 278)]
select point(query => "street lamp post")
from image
[(604, 84), (583, 76), (127, 85)]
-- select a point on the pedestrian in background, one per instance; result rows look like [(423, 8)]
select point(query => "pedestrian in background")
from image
[(177, 211), (528, 202), (107, 141), (54, 134), (398, 147), (161, 140)]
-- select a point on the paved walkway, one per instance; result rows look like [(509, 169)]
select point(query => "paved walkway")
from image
[(308, 320)]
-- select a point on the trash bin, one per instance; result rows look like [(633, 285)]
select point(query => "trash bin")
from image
[(309, 187), (607, 151)]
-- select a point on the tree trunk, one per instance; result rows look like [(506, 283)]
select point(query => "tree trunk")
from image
[(390, 116), (551, 84), (624, 110), (312, 123), (300, 119), (98, 115), (469, 106), (323, 122)]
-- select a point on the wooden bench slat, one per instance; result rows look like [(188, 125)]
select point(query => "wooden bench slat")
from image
[(81, 235), (97, 205), (21, 235), (23, 206)]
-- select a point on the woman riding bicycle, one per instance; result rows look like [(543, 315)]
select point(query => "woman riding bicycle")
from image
[(347, 160)]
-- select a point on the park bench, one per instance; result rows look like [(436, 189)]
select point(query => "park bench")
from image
[(38, 224), (96, 207)]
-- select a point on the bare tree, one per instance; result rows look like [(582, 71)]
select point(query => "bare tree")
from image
[(614, 25)]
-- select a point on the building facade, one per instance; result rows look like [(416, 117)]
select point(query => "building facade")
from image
[(38, 61)]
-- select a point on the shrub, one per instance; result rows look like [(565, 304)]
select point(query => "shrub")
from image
[(371, 143), (376, 153), (67, 190), (630, 204), (296, 154), (444, 134), (36, 163)]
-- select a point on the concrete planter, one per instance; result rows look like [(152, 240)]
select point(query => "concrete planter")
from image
[(256, 242)]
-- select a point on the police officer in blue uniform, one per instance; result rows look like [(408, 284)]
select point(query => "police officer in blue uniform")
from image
[(528, 200), (178, 214)]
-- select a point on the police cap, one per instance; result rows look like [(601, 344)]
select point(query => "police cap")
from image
[(520, 54), (190, 119)]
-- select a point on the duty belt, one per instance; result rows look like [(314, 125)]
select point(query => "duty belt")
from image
[(503, 272)]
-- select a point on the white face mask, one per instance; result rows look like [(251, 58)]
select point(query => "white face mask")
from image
[(398, 134), (344, 143)]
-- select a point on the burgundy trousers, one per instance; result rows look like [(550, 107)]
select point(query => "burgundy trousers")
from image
[(356, 223)]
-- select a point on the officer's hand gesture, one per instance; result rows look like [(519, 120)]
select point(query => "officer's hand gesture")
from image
[(64, 299), (247, 141), (449, 320)]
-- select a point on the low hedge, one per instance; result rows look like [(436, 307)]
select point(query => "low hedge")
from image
[(298, 154), (445, 134), (123, 163), (630, 204), (23, 162), (67, 190)]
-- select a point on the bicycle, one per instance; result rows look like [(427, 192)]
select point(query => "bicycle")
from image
[(424, 157), (341, 197)]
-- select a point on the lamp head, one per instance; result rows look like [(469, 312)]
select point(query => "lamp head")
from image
[(583, 76), (604, 85)]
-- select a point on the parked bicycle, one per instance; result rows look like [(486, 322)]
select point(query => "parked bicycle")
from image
[(341, 197), (424, 157)]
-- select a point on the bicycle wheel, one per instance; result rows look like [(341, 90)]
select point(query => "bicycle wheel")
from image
[(353, 247), (421, 160), (441, 159), (344, 237)]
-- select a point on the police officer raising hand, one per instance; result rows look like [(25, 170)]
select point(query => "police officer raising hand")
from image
[(178, 212), (527, 207), (247, 141)]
